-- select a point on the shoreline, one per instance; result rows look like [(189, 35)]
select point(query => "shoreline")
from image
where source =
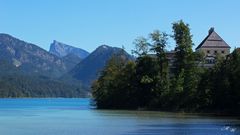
[(198, 113)]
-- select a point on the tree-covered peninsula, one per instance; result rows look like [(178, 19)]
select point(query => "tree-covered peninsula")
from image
[(153, 81)]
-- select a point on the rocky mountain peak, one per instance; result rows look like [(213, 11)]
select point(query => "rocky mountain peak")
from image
[(61, 50)]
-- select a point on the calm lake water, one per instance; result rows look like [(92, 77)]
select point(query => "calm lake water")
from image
[(76, 117)]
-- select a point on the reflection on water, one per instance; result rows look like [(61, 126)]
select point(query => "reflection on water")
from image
[(76, 117), (189, 129)]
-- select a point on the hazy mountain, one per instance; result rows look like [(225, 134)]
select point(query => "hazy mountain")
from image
[(29, 58), (61, 50), (27, 70), (7, 68), (71, 60), (88, 69)]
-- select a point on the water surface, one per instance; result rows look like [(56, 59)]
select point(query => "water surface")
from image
[(61, 116)]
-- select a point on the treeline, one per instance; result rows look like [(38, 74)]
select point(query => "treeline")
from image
[(16, 85), (154, 82)]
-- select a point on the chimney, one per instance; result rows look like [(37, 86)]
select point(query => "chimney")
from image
[(211, 30)]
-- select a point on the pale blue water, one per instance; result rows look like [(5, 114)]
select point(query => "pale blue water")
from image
[(76, 117)]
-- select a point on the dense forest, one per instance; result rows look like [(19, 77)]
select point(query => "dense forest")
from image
[(16, 85), (153, 82)]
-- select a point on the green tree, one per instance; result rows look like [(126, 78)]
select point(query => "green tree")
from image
[(115, 86), (184, 54), (204, 91), (146, 80), (141, 47), (159, 42), (184, 65), (225, 89)]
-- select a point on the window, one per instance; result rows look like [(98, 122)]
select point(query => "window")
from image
[(208, 51), (215, 52), (210, 60), (223, 52)]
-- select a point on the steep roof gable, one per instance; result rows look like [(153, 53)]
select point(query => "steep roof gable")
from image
[(213, 40)]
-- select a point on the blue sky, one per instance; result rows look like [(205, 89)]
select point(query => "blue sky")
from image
[(90, 23)]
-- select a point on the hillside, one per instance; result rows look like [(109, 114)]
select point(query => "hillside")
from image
[(27, 70), (88, 69), (30, 58)]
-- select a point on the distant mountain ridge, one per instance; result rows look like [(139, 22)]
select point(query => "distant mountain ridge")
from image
[(61, 50), (27, 70), (71, 60), (88, 69), (29, 57)]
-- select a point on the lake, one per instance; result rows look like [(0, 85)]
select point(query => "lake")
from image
[(61, 116)]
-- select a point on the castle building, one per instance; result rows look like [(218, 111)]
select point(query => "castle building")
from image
[(212, 47)]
